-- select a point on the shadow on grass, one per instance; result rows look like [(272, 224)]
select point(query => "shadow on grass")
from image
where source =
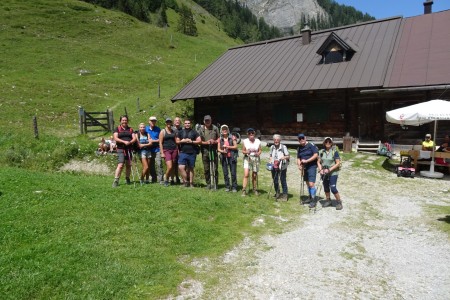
[(446, 219), (389, 165)]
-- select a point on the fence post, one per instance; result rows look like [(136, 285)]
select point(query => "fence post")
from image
[(110, 120), (81, 116), (126, 113), (35, 126), (159, 89)]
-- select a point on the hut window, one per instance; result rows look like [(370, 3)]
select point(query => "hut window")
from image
[(282, 113)]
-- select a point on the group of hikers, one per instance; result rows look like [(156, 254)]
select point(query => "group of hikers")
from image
[(179, 146)]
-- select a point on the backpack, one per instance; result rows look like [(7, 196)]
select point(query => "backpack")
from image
[(334, 149), (283, 148), (134, 146)]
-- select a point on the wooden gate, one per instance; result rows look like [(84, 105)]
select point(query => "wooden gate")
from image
[(96, 121)]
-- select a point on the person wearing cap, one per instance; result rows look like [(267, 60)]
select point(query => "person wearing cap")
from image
[(188, 140), (307, 154), (169, 150), (251, 148), (155, 166), (328, 165), (209, 134), (279, 158), (227, 147), (427, 144)]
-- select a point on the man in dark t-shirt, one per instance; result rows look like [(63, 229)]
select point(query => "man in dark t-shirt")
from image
[(307, 154), (188, 140)]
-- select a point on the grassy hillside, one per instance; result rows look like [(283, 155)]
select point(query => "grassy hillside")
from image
[(58, 54)]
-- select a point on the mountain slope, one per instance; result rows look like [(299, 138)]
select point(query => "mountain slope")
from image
[(58, 54)]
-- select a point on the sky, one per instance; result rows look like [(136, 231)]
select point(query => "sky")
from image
[(381, 9)]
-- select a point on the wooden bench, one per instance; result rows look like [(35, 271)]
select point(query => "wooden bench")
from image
[(292, 141), (415, 155)]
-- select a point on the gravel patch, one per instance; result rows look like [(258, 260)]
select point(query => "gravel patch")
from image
[(382, 245)]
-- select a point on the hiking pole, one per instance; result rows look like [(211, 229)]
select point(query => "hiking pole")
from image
[(211, 171), (136, 168), (302, 184), (131, 166), (270, 190)]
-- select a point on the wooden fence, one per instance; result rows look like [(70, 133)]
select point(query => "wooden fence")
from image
[(96, 121)]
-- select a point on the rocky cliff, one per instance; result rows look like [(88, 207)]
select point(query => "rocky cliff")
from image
[(284, 14)]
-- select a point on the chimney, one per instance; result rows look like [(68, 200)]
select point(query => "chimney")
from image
[(306, 35), (427, 7)]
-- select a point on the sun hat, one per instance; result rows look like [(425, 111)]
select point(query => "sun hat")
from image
[(327, 138), (428, 135), (224, 127), (152, 118)]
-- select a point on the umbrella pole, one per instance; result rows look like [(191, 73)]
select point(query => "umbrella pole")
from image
[(432, 173)]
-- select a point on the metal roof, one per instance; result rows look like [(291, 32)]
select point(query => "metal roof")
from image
[(287, 65), (423, 53)]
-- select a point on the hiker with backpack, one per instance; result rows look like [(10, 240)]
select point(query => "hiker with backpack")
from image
[(125, 139), (144, 143), (155, 166), (307, 154), (227, 147), (328, 164), (169, 150), (188, 141), (251, 149), (209, 134), (279, 158)]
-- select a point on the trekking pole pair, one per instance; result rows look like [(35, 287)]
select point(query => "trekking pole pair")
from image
[(135, 170), (212, 168)]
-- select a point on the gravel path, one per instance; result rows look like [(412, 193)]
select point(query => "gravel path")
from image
[(382, 245)]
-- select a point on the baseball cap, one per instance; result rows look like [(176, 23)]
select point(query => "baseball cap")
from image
[(301, 136), (428, 135), (168, 120), (152, 118), (207, 117), (250, 129)]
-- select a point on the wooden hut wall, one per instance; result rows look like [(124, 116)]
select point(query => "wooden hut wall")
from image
[(325, 113)]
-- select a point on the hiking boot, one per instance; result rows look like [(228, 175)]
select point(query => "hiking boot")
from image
[(172, 182), (142, 182), (326, 203), (312, 204), (234, 190), (186, 184), (115, 183), (147, 182), (227, 189), (255, 192), (283, 198), (276, 195), (244, 193), (128, 180), (191, 184), (166, 183), (307, 201), (178, 181), (339, 205)]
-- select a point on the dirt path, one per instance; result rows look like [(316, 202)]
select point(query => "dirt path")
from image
[(381, 246)]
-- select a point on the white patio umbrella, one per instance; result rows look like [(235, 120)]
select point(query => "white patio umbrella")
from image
[(419, 114)]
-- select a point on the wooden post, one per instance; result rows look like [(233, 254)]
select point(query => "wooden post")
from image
[(138, 108), (35, 126), (126, 113), (159, 90), (81, 116)]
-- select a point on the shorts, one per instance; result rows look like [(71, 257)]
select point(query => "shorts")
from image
[(124, 155), (252, 163), (171, 155), (144, 153), (310, 174), (185, 159)]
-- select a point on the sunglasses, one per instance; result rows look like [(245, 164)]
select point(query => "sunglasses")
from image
[(301, 138), (251, 132), (328, 142)]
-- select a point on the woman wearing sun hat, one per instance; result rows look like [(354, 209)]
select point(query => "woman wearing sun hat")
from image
[(228, 150), (328, 166)]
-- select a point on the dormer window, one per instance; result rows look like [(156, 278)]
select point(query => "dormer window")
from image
[(335, 50)]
